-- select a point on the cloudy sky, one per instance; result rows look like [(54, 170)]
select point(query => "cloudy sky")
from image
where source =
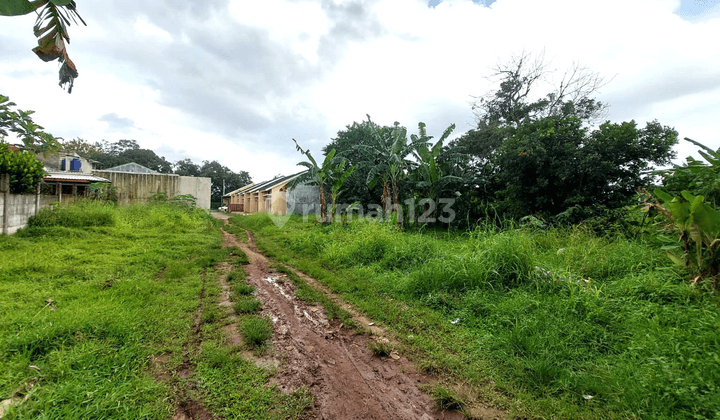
[(236, 80)]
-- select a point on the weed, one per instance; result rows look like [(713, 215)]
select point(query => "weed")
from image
[(380, 348), (243, 289), (445, 398), (240, 257), (236, 275), (256, 330), (548, 316), (246, 305)]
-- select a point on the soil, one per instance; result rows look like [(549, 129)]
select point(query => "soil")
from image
[(333, 362)]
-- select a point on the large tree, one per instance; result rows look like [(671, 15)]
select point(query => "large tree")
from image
[(222, 175), (554, 164), (82, 147), (187, 167), (348, 145), (535, 152), (126, 151)]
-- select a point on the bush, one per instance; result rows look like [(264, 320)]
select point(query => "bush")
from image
[(24, 169)]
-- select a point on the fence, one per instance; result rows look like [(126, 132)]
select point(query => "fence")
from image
[(18, 208)]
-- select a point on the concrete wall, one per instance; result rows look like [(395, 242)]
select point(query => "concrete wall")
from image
[(139, 188), (303, 199), (199, 187), (20, 207)]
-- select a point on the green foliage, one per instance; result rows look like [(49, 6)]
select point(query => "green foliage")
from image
[(348, 144), (256, 330), (331, 175), (80, 215), (246, 305), (550, 316), (553, 164), (24, 169), (698, 177), (127, 151), (698, 226), (20, 122), (390, 150), (103, 191)]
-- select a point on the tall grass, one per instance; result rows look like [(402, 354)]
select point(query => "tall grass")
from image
[(79, 215), (570, 324)]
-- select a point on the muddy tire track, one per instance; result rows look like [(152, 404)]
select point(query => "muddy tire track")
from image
[(333, 362)]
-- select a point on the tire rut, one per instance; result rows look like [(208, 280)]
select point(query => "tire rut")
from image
[(333, 362)]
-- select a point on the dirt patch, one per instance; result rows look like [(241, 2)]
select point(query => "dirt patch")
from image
[(186, 407), (334, 362)]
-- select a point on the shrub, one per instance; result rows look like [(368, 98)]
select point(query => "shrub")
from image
[(24, 169)]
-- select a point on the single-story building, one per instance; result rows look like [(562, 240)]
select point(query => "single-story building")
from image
[(67, 176), (272, 196)]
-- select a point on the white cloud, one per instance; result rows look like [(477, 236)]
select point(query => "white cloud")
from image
[(298, 24), (148, 29), (237, 82)]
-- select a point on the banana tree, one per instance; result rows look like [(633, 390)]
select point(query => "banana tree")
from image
[(390, 150), (698, 225), (51, 30), (430, 176), (337, 175), (332, 173)]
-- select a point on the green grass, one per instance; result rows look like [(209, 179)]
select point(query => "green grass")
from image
[(243, 289), (240, 257), (547, 318), (380, 348), (240, 233), (256, 330), (237, 276), (92, 292), (246, 305)]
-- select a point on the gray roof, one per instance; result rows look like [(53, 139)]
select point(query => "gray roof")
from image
[(267, 185), (132, 168)]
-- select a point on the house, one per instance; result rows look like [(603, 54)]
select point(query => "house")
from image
[(272, 196), (67, 176)]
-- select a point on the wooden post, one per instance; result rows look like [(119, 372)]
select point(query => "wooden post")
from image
[(5, 190)]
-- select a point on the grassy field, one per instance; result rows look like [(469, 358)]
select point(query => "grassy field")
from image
[(97, 315), (546, 324)]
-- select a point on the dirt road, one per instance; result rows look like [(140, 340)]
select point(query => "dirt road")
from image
[(333, 362)]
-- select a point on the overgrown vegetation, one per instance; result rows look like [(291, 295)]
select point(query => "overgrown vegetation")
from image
[(547, 323), (97, 310), (24, 170)]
